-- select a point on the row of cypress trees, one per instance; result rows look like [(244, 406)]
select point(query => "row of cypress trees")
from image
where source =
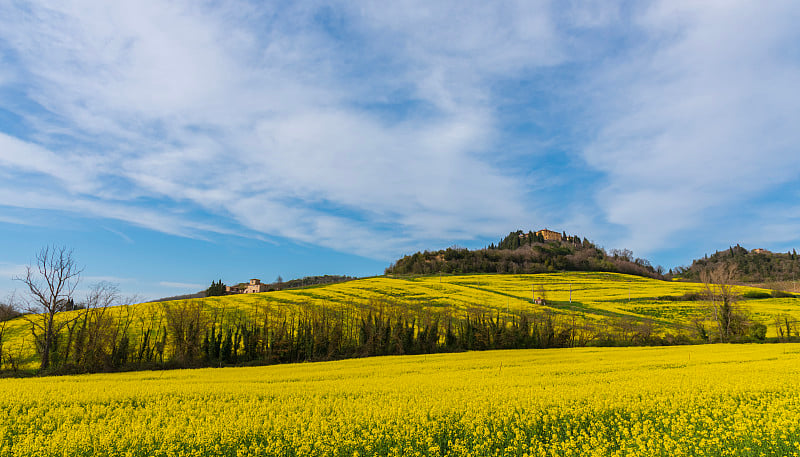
[(190, 334)]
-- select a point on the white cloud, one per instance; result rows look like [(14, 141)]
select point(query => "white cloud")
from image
[(143, 217), (267, 121), (376, 128), (11, 270), (125, 237), (74, 172), (700, 119)]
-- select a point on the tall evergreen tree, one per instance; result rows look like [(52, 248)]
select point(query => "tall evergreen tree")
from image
[(216, 289)]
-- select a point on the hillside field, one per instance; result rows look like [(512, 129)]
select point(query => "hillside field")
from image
[(596, 298), (711, 400)]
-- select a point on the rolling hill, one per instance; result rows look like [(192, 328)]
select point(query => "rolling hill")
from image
[(527, 253), (389, 315)]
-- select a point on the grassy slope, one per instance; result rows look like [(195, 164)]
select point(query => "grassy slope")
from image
[(594, 296)]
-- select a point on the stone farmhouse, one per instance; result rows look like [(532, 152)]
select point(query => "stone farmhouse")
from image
[(255, 286)]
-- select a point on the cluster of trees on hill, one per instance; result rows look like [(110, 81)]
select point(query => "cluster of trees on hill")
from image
[(749, 266), (525, 253), (216, 289)]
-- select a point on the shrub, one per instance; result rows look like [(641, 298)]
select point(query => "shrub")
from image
[(758, 331)]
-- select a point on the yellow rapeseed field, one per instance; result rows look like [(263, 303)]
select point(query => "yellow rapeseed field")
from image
[(595, 296), (736, 400)]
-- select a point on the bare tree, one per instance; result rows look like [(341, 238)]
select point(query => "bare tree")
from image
[(95, 334), (51, 284), (721, 294)]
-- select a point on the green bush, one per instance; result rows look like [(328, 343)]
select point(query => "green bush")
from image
[(758, 331)]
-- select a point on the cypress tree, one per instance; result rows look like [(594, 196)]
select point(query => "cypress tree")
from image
[(216, 289), (227, 348)]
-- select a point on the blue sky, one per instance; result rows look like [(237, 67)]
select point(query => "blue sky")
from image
[(171, 144)]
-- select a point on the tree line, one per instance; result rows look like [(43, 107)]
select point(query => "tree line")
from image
[(750, 266)]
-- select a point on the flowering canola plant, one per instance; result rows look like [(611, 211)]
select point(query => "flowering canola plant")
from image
[(593, 296), (741, 400)]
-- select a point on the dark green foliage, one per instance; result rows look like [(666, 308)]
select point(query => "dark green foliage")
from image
[(227, 351), (781, 294), (119, 355), (701, 330), (688, 296), (146, 349), (216, 289), (758, 331), (756, 295)]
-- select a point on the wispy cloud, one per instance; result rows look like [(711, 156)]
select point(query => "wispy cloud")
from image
[(11, 270), (125, 237), (278, 123), (181, 285), (377, 129), (699, 120)]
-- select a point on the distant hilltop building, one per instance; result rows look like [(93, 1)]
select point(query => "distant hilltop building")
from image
[(759, 251), (255, 286), (546, 235), (549, 235), (517, 239)]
